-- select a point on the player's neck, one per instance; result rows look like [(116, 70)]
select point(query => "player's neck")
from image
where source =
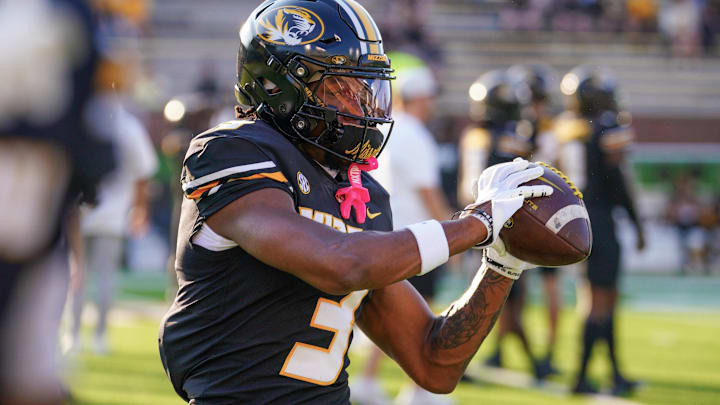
[(320, 157), (332, 172)]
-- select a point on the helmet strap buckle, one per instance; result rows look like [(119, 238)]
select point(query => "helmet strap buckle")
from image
[(299, 123), (298, 69)]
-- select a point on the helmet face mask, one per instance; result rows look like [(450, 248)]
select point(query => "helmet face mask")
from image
[(326, 86), (345, 112)]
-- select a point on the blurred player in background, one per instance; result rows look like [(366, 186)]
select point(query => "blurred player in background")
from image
[(415, 191), (685, 212), (284, 242), (49, 160), (538, 111), (594, 133), (502, 135), (123, 197)]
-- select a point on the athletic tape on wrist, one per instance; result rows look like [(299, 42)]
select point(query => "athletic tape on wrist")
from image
[(502, 270), (432, 244)]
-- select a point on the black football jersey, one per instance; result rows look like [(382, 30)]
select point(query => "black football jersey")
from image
[(240, 331), (605, 186)]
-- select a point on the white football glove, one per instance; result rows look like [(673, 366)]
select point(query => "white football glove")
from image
[(499, 184), (499, 260)]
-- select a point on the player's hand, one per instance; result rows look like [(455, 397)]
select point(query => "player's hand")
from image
[(500, 185), (498, 259)]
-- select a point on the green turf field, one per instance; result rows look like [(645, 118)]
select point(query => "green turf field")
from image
[(677, 355)]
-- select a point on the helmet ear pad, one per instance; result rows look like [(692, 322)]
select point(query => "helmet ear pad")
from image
[(274, 90)]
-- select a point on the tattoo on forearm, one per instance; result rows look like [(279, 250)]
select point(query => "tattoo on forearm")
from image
[(473, 315)]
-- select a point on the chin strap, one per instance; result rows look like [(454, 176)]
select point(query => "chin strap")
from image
[(356, 195)]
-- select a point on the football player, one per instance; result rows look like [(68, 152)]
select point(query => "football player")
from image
[(284, 243), (499, 133), (537, 109), (124, 195), (594, 133), (48, 160), (501, 136)]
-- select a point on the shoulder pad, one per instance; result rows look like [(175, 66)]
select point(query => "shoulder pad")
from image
[(227, 126), (257, 132), (568, 129), (476, 139)]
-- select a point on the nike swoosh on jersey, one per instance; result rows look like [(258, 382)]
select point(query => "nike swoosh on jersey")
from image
[(373, 216)]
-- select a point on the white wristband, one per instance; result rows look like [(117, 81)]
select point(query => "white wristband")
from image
[(432, 244)]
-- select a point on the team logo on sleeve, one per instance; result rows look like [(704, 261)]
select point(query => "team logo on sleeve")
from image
[(290, 25), (303, 183)]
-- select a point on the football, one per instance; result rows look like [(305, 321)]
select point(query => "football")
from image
[(553, 230)]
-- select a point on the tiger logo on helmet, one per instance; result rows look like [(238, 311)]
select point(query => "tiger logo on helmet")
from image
[(290, 25)]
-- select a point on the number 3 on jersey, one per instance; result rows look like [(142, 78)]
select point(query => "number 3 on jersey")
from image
[(318, 365)]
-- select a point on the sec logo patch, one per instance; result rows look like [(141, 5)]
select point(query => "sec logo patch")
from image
[(303, 183)]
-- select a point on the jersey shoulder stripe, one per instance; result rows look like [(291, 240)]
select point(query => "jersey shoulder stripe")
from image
[(236, 170), (231, 160)]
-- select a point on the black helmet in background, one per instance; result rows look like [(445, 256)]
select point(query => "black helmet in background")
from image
[(536, 78), (591, 91), (495, 101)]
